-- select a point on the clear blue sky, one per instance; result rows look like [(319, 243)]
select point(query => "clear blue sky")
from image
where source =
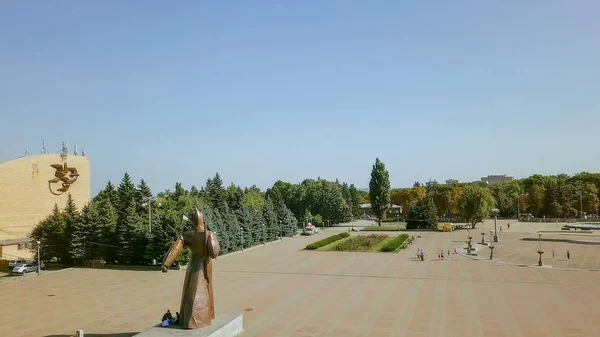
[(267, 90)]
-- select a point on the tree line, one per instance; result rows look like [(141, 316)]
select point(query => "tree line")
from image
[(118, 226)]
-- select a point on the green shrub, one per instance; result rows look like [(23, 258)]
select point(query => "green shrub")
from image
[(326, 241), (382, 228), (318, 220), (395, 243), (360, 243)]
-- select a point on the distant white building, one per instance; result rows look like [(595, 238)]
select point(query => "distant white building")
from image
[(366, 209), (497, 179)]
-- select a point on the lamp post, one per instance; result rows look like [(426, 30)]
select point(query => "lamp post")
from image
[(482, 237), (38, 258), (264, 233), (492, 251), (496, 211), (242, 237), (469, 242), (540, 251), (149, 204), (280, 230)]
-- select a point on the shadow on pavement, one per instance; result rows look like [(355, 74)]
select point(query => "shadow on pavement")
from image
[(87, 334)]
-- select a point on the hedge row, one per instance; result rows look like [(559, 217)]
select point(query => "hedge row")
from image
[(326, 241), (383, 228), (395, 243)]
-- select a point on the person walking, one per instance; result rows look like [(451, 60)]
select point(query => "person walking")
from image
[(553, 253), (508, 225), (568, 255)]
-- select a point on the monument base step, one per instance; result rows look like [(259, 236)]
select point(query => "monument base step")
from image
[(224, 325)]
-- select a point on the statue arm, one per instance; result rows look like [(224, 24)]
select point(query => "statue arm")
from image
[(174, 252), (213, 245)]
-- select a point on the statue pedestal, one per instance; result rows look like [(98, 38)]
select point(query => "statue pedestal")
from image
[(224, 325)]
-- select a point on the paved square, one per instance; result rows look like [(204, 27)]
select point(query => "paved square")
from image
[(284, 291)]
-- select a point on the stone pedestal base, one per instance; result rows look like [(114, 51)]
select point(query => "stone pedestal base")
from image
[(224, 325)]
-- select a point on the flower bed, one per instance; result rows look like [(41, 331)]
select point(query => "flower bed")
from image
[(361, 243), (326, 241)]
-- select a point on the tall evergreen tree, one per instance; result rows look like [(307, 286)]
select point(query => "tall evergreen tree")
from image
[(127, 197), (233, 229), (244, 217), (289, 223), (379, 190), (71, 217), (354, 201), (50, 232), (127, 236), (216, 193), (258, 229), (107, 222), (86, 233), (271, 222)]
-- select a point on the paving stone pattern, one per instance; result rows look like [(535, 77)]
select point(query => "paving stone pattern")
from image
[(284, 291)]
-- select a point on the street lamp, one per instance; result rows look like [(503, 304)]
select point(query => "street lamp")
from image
[(264, 233), (496, 211), (38, 258), (540, 251), (281, 230), (469, 243), (242, 237), (492, 250), (149, 204)]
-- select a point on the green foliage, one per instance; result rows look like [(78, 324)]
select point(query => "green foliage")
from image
[(394, 244), (317, 220), (271, 222), (379, 189), (326, 241), (477, 204), (86, 229), (216, 194), (383, 228), (50, 232), (423, 215), (361, 243)]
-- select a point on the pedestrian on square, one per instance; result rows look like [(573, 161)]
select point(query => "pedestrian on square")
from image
[(568, 255), (553, 253), (508, 225)]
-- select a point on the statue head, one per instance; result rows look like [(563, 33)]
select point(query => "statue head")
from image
[(198, 221)]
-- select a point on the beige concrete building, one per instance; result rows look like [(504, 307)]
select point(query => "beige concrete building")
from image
[(497, 179), (29, 188)]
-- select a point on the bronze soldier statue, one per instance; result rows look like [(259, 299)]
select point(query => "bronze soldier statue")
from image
[(197, 301)]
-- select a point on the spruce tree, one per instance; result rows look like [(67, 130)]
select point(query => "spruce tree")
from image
[(216, 193), (270, 218), (233, 229), (244, 217), (86, 233), (50, 232), (289, 223), (379, 190), (126, 195), (258, 229), (127, 236), (71, 217), (354, 201), (107, 223)]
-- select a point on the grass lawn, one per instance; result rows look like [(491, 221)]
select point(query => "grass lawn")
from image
[(393, 226), (330, 246), (377, 248)]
